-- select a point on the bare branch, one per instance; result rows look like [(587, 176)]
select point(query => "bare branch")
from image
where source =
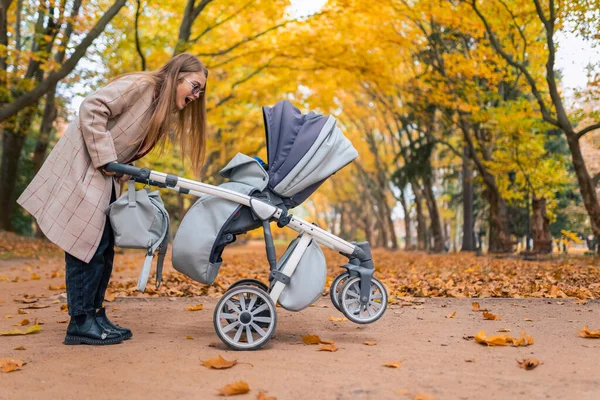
[(219, 23), (590, 128), (138, 47), (40, 90)]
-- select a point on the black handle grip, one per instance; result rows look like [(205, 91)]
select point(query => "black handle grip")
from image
[(142, 173)]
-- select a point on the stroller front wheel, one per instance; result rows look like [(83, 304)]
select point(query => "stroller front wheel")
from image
[(245, 318), (363, 313), (335, 290), (249, 282)]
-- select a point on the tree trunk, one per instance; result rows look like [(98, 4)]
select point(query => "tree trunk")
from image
[(540, 227), (46, 126), (408, 244), (499, 241), (468, 241), (421, 226), (11, 149), (434, 215)]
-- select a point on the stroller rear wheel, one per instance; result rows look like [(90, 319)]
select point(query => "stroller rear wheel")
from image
[(363, 313), (245, 318), (250, 282), (335, 290)]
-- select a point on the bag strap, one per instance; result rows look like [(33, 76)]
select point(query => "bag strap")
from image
[(131, 192), (162, 245)]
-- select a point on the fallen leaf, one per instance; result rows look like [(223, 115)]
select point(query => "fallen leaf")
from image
[(476, 306), (469, 360), (263, 396), (328, 347), (239, 387), (189, 338), (64, 321), (311, 339), (64, 308), (336, 319), (20, 348), (504, 340), (529, 363), (451, 315), (25, 301), (392, 364), (22, 312), (212, 344), (560, 303), (56, 301), (370, 342), (528, 319), (503, 330), (218, 363), (490, 316), (110, 297), (586, 333), (10, 365), (32, 329), (36, 306), (35, 277), (57, 287), (116, 309), (195, 308), (22, 323), (8, 316), (423, 396)]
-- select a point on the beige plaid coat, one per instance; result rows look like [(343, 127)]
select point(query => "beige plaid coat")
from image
[(69, 195)]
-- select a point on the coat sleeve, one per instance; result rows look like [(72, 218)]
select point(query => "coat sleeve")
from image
[(95, 111)]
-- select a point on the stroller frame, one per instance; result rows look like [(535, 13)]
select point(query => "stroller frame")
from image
[(360, 267)]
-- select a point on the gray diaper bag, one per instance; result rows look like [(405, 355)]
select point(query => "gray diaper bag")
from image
[(140, 221)]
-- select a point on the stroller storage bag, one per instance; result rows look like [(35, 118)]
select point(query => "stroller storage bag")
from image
[(307, 281)]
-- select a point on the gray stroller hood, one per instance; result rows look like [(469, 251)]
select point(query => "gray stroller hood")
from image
[(303, 151)]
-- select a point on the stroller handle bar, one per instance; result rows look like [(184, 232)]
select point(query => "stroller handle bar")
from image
[(187, 186)]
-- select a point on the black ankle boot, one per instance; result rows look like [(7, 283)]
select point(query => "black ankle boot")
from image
[(88, 331), (104, 322)]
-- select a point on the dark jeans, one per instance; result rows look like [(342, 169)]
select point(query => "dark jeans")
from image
[(87, 282)]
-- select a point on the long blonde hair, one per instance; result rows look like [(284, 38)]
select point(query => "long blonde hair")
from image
[(190, 126)]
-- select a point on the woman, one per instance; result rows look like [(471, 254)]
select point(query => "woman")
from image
[(68, 197)]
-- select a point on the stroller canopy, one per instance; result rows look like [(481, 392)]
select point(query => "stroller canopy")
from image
[(303, 150)]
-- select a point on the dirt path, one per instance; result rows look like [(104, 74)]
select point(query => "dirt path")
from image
[(159, 362)]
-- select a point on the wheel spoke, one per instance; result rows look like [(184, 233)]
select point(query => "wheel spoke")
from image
[(243, 301), (253, 299), (231, 326), (376, 296), (249, 337), (228, 316), (233, 306), (368, 310), (266, 320), (259, 309), (258, 329), (238, 334), (376, 306), (352, 294)]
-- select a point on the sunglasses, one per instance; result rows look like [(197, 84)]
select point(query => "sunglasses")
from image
[(196, 90)]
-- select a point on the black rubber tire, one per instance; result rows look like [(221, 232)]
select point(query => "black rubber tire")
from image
[(250, 282), (333, 294)]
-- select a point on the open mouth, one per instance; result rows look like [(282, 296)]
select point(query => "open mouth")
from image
[(188, 100)]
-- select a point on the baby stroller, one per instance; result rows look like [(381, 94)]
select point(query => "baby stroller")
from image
[(303, 150)]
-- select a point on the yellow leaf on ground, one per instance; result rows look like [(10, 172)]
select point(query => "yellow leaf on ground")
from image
[(490, 316), (64, 308), (20, 348), (336, 319), (10, 365), (392, 364), (22, 312), (263, 396), (57, 287), (32, 329), (110, 297), (239, 387), (370, 342), (311, 339), (529, 363), (475, 306), (423, 396), (218, 363), (504, 340), (328, 347), (22, 323), (35, 277), (195, 308), (36, 306), (528, 319), (189, 338), (586, 333), (503, 330), (8, 316), (25, 301), (63, 321), (451, 315)]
